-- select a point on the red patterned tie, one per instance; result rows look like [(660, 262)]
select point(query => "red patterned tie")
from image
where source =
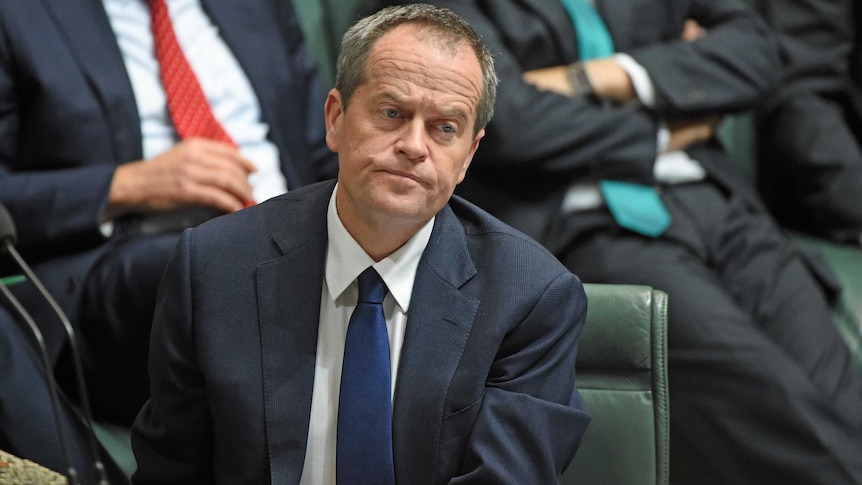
[(187, 103)]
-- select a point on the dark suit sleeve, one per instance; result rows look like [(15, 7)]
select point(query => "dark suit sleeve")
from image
[(726, 70), (810, 152), (532, 417), (173, 434), (816, 44), (54, 208)]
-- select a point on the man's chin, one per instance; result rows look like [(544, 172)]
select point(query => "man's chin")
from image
[(403, 208)]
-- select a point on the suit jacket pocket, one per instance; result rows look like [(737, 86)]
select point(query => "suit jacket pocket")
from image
[(455, 432), (459, 423)]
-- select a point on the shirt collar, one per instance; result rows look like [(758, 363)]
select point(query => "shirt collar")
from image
[(123, 3), (345, 260)]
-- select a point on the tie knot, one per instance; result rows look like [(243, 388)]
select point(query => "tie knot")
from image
[(372, 289)]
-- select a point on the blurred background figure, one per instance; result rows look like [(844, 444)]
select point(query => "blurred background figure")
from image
[(603, 148), (810, 160), (122, 122)]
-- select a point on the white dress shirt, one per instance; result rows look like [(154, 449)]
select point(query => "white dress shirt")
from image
[(345, 260), (233, 101)]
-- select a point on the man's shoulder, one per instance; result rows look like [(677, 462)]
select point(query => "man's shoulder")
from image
[(487, 232), (477, 221), (302, 207), (510, 267)]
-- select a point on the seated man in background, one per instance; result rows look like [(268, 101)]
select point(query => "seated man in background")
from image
[(123, 122), (278, 355), (602, 148), (810, 129)]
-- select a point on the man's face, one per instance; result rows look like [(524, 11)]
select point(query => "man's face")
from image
[(406, 139)]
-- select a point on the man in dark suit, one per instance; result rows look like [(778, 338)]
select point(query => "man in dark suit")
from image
[(810, 163), (602, 147), (89, 156), (250, 341)]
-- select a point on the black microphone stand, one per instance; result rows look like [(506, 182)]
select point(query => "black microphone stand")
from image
[(71, 473), (101, 474)]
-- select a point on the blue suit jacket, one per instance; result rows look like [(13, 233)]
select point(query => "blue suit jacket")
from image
[(485, 388), (68, 117)]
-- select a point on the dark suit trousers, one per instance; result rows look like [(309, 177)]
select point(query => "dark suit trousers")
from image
[(762, 387), (116, 316)]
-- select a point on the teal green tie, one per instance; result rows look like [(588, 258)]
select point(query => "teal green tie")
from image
[(635, 207), (594, 40)]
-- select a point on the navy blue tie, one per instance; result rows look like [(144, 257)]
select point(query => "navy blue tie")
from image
[(364, 443)]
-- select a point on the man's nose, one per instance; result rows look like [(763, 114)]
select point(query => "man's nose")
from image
[(413, 140)]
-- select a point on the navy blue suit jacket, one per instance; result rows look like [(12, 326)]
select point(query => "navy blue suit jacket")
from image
[(68, 117), (485, 388)]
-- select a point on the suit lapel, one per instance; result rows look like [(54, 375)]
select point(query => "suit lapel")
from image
[(560, 24), (433, 344), (85, 26), (619, 17), (289, 290)]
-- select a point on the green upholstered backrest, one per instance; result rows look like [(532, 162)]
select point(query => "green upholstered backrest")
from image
[(621, 372), (323, 24)]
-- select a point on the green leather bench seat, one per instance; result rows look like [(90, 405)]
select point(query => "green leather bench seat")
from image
[(622, 374)]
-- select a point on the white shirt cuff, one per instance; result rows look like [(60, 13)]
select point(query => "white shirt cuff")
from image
[(641, 81)]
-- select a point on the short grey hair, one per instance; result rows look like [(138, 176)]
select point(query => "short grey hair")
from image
[(358, 41)]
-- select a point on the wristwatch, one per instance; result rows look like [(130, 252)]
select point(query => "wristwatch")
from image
[(578, 80)]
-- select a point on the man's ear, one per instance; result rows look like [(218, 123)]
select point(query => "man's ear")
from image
[(332, 111), (473, 148)]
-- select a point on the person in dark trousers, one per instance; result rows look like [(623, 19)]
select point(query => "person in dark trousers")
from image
[(603, 148)]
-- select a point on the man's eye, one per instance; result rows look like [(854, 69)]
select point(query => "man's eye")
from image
[(447, 128), (391, 113)]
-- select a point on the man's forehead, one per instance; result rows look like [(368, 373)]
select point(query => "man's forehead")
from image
[(413, 34), (454, 64)]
